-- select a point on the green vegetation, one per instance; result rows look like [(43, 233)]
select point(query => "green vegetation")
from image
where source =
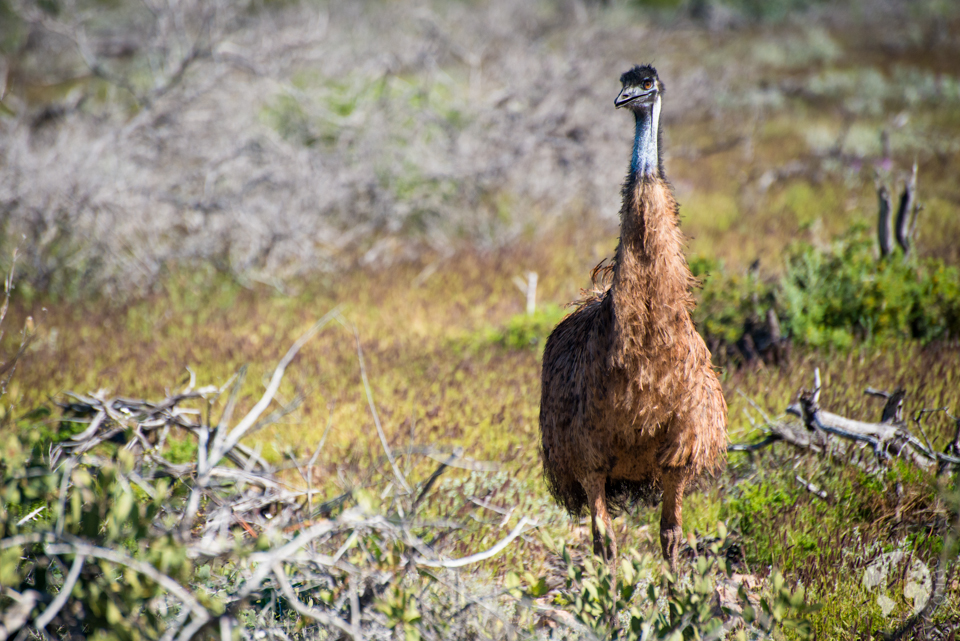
[(526, 330), (692, 609), (836, 296)]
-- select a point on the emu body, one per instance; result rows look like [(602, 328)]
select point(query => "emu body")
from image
[(631, 407)]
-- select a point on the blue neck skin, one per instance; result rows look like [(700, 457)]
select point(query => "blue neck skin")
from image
[(645, 161)]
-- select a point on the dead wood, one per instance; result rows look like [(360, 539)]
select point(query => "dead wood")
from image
[(884, 230), (820, 431), (906, 213), (902, 225)]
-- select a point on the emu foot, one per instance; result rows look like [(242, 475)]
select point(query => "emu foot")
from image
[(670, 538)]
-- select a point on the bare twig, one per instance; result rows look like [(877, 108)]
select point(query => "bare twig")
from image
[(31, 516), (436, 474), (251, 418), (60, 600), (307, 611), (480, 556), (376, 417)]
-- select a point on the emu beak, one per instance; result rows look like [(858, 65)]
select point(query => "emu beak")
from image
[(627, 95)]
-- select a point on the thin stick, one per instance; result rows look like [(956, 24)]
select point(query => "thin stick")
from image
[(251, 418), (44, 619), (436, 474), (30, 516), (62, 500), (313, 460), (480, 556), (376, 417), (918, 419), (24, 539), (220, 432)]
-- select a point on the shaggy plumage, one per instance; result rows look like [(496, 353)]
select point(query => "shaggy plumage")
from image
[(631, 407)]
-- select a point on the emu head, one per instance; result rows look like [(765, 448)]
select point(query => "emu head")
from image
[(641, 88)]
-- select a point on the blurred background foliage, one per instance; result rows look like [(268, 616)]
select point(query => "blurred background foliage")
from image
[(279, 139)]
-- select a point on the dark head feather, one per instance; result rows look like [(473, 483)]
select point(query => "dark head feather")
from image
[(638, 74)]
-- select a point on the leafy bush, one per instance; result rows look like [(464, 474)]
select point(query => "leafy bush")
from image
[(726, 299), (835, 296), (531, 330), (631, 605)]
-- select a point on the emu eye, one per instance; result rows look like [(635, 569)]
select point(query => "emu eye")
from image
[(647, 84)]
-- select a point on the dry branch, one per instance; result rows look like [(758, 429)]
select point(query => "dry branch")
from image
[(902, 225), (906, 213), (821, 431)]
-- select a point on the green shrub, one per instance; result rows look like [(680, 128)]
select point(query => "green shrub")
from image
[(631, 605), (832, 297), (835, 296), (725, 299)]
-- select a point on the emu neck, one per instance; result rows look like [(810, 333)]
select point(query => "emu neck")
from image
[(652, 284), (645, 160)]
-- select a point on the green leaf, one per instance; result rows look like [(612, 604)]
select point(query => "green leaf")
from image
[(10, 566), (539, 588), (410, 633), (114, 616), (123, 506), (548, 541), (365, 500), (511, 580)]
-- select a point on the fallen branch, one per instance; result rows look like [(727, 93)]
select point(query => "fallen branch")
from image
[(822, 431)]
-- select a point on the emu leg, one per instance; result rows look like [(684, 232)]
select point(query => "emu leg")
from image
[(671, 518), (600, 524)]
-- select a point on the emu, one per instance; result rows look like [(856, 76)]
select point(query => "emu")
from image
[(631, 407)]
